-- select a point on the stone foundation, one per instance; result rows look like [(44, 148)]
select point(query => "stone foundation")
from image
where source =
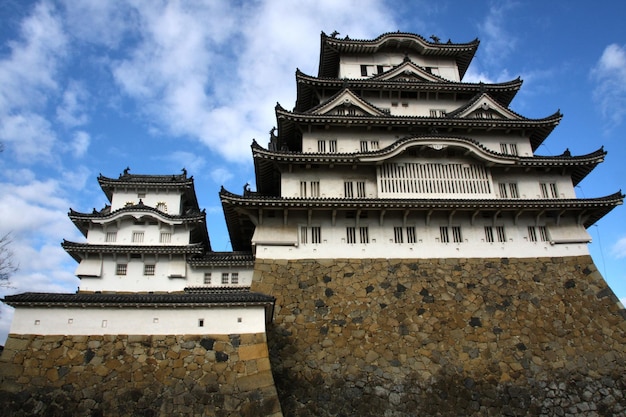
[(137, 376), (445, 337)]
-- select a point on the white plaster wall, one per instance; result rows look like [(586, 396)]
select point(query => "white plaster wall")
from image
[(126, 227), (87, 321), (151, 198), (350, 65), (474, 244)]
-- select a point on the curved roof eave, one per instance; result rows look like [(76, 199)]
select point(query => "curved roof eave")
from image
[(332, 47)]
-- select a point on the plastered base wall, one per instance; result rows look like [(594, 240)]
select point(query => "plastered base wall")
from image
[(445, 337), (183, 375)]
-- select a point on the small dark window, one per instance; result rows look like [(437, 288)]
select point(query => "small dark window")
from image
[(364, 70)]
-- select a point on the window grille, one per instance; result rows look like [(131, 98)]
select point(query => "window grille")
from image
[(302, 188), (374, 145), (137, 237), (234, 278), (111, 237), (224, 278), (321, 146), (161, 206), (165, 237), (332, 146), (398, 235), (489, 234), (303, 235), (360, 189), (443, 234), (350, 235), (411, 236), (514, 191), (543, 233), (503, 191), (456, 234), (554, 191), (433, 178), (503, 148), (364, 234), (120, 269), (316, 234), (207, 278), (148, 269), (532, 234), (513, 148), (315, 188), (501, 234), (348, 189), (363, 146)]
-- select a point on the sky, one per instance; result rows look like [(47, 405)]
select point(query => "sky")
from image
[(96, 86)]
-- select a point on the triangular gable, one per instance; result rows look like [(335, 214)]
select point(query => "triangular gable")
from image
[(346, 103), (407, 71), (485, 107)]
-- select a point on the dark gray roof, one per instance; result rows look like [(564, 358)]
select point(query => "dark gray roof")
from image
[(217, 297)]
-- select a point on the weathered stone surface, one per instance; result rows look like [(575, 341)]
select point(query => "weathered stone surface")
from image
[(445, 337), (137, 376)]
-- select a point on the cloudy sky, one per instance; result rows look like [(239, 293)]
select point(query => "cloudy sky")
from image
[(95, 86)]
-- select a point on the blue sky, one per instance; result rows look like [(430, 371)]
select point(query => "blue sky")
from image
[(95, 86)]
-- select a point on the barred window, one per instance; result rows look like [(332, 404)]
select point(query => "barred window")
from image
[(501, 234), (456, 234), (332, 145), (321, 146), (364, 234), (443, 234), (137, 237), (316, 234), (303, 235), (360, 189), (503, 191), (224, 277), (543, 233), (411, 236), (111, 237), (348, 189), (513, 190), (148, 269), (165, 237), (350, 234), (234, 278), (488, 234), (302, 188), (161, 206), (207, 278), (315, 188), (363, 146), (120, 269), (532, 234), (374, 145), (398, 235)]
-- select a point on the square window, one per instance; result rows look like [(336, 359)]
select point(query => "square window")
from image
[(165, 237), (207, 278), (234, 278), (225, 278), (111, 237), (137, 237), (148, 269), (120, 269)]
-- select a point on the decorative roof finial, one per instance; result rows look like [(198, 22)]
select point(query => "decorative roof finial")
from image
[(126, 171), (334, 34), (435, 38), (184, 172)]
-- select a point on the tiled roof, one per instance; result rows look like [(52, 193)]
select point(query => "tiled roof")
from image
[(502, 92), (332, 48), (223, 259), (76, 249), (209, 298)]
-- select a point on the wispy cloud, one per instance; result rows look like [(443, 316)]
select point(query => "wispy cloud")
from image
[(619, 248), (609, 75)]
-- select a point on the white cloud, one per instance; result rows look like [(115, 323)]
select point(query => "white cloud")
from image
[(190, 161), (609, 74), (221, 176), (80, 143), (72, 110), (214, 72), (29, 137)]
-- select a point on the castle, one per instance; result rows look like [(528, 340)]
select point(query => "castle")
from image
[(405, 252)]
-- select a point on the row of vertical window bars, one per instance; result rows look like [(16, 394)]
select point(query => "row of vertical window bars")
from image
[(508, 190), (364, 146), (164, 237), (315, 189), (398, 235), (316, 234), (364, 236), (532, 233), (553, 190), (508, 149), (434, 179), (444, 234), (348, 189)]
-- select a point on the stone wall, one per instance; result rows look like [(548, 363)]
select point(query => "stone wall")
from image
[(137, 376), (446, 337)]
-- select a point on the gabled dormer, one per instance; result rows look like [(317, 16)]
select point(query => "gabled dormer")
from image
[(346, 103), (409, 72), (483, 106)]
